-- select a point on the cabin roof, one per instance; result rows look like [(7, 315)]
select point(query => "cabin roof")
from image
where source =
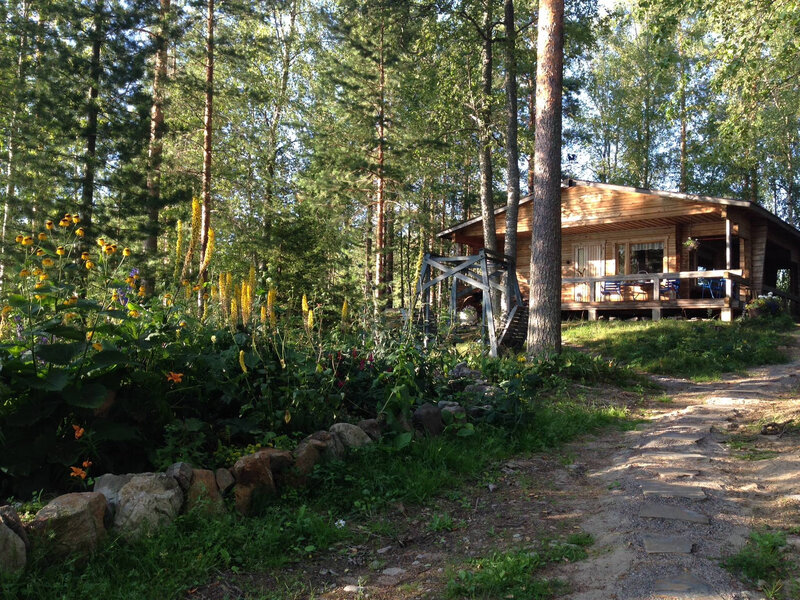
[(694, 198)]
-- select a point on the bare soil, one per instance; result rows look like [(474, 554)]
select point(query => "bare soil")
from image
[(697, 437)]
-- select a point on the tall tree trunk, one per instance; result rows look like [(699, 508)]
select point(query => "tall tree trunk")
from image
[(155, 150), (531, 125), (683, 185), (380, 200), (368, 253), (544, 325), (485, 125), (12, 140), (208, 120), (92, 114), (389, 249), (512, 146)]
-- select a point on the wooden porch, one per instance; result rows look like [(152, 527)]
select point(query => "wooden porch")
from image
[(723, 290)]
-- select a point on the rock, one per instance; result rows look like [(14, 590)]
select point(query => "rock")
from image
[(372, 428), (683, 585), (452, 412), (350, 435), (307, 454), (482, 389), (224, 479), (659, 544), (109, 485), (280, 461), (147, 501), (667, 490), (182, 473), (393, 571), (204, 492), (428, 418), (480, 411), (72, 523), (13, 555), (10, 518), (254, 482), (462, 370), (334, 448), (468, 315), (670, 512)]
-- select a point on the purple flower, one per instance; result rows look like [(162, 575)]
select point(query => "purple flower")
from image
[(134, 272)]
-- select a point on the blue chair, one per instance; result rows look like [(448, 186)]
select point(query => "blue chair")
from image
[(670, 286), (715, 287), (610, 288)]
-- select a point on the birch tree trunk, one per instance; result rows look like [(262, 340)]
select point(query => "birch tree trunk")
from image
[(544, 325)]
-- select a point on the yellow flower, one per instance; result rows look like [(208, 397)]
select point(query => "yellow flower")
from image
[(39, 285), (43, 276), (80, 232), (89, 336), (71, 301), (310, 319), (305, 304), (110, 249), (19, 239), (40, 252), (140, 293), (76, 219), (77, 472), (27, 241), (6, 309), (129, 281), (89, 264), (85, 256), (134, 314), (241, 361), (97, 346), (37, 271), (48, 262), (287, 416), (24, 273), (126, 252), (114, 297), (64, 223), (49, 225), (61, 251), (101, 242), (42, 237)]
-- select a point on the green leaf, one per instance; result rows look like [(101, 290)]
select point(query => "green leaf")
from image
[(54, 381), (466, 431), (67, 332), (114, 314), (402, 440), (107, 358), (90, 395), (59, 354)]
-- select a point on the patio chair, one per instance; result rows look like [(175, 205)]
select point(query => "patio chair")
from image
[(610, 288), (670, 287), (715, 287)]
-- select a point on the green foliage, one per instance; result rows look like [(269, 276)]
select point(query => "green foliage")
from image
[(762, 558), (685, 349), (511, 574)]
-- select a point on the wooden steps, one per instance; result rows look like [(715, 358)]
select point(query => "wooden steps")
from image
[(516, 330)]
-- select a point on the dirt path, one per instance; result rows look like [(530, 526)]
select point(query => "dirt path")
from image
[(665, 503)]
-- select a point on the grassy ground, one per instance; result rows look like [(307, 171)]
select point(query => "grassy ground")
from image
[(701, 350), (299, 525)]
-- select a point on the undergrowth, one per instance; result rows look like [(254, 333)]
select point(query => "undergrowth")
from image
[(700, 350), (186, 553), (762, 561), (512, 574)]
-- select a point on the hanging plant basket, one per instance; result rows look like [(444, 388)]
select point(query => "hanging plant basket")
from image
[(691, 244)]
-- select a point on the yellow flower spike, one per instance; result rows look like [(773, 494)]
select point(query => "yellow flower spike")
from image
[(345, 309), (49, 225), (241, 361), (310, 320), (305, 304), (89, 265), (48, 262), (97, 346), (287, 416), (187, 291), (126, 252), (80, 232), (234, 316), (264, 315), (61, 251), (271, 296), (76, 219), (19, 239), (42, 237)]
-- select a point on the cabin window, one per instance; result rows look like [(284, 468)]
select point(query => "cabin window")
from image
[(621, 263), (647, 257)]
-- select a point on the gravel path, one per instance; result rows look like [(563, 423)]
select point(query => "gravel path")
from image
[(678, 501)]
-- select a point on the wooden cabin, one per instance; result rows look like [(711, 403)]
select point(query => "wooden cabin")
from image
[(627, 249)]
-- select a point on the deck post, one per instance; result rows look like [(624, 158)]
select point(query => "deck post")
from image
[(656, 314), (726, 314), (488, 308), (453, 302), (592, 314)]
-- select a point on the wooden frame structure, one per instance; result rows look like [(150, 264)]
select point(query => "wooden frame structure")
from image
[(484, 271)]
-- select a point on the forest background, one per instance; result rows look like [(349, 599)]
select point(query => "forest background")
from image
[(328, 141)]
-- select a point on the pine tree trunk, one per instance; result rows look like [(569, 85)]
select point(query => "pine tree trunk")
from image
[(92, 114), (544, 325), (208, 120), (155, 150), (512, 145), (380, 226), (684, 159), (485, 124)]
